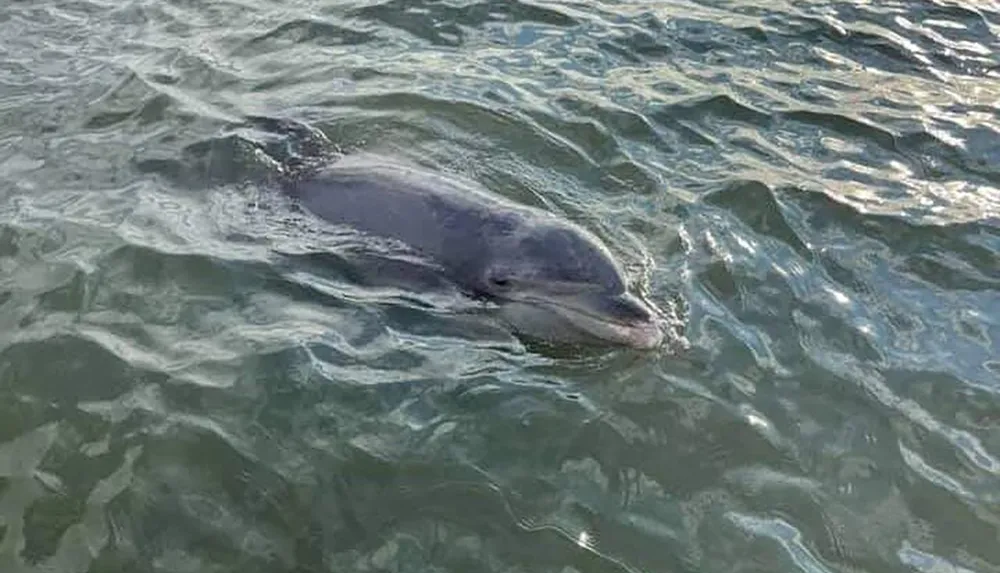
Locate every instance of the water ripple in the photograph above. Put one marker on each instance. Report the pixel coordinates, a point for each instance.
(192, 378)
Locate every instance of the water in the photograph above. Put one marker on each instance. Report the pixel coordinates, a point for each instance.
(814, 186)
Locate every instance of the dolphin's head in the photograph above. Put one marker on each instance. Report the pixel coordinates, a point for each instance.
(556, 282)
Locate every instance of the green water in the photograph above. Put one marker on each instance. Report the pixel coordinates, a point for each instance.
(814, 187)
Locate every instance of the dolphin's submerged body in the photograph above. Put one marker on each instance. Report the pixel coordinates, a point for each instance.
(549, 279)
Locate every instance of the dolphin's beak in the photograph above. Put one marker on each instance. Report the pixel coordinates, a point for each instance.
(634, 321)
(621, 318)
(586, 317)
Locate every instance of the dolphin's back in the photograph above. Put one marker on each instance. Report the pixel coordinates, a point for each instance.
(445, 218)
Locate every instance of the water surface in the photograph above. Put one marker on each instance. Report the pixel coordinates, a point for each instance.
(813, 187)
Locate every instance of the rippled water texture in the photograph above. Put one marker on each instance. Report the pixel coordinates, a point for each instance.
(185, 386)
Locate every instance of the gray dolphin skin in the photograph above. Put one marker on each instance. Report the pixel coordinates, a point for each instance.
(548, 278)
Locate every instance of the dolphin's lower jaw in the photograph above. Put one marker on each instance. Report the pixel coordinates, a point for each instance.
(640, 334)
(644, 336)
(571, 323)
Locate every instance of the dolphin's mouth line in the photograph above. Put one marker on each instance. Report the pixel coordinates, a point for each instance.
(569, 309)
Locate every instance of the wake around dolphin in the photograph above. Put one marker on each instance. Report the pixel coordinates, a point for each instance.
(549, 279)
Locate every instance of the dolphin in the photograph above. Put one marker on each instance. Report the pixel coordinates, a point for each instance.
(549, 279)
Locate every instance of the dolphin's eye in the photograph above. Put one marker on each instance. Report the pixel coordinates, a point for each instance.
(501, 282)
